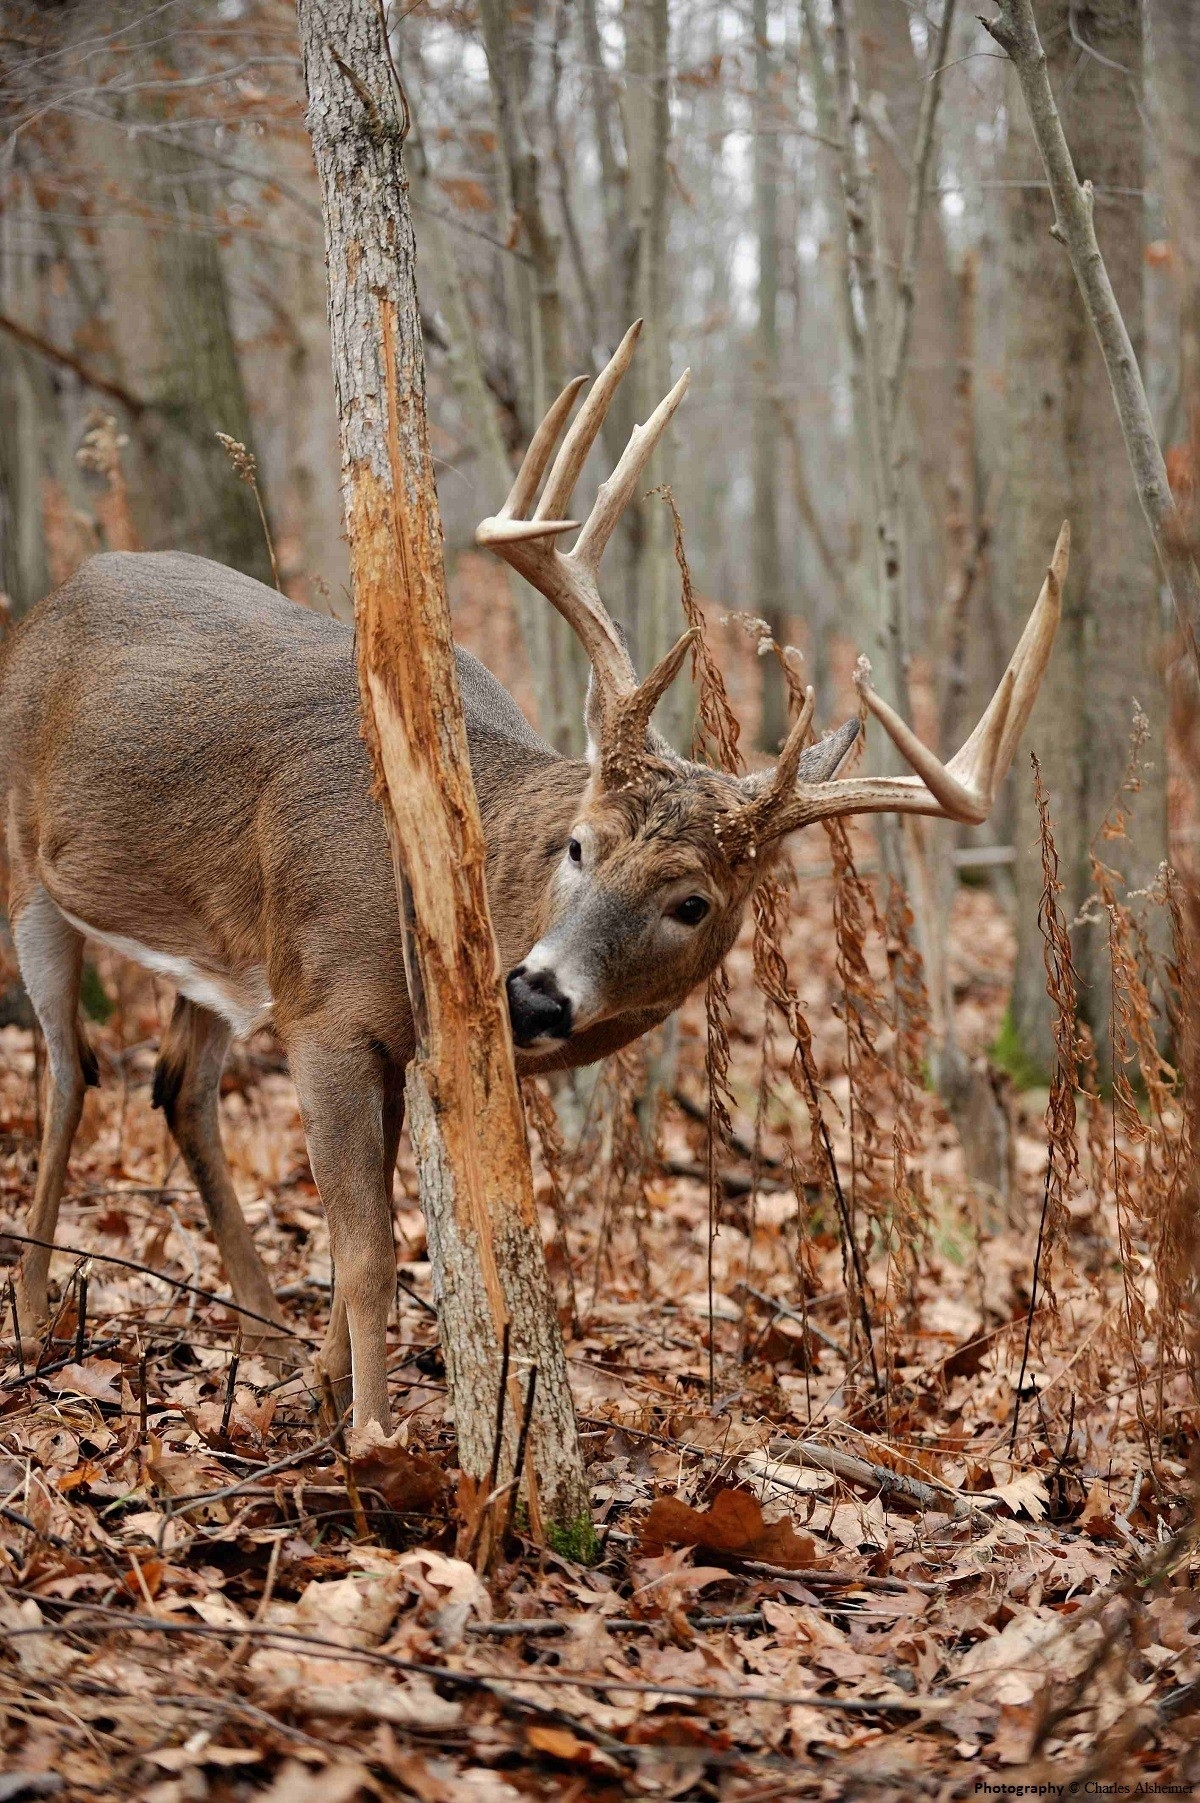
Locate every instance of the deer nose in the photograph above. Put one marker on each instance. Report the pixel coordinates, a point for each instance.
(537, 1006)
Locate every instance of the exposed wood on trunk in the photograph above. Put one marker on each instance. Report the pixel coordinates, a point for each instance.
(467, 1123)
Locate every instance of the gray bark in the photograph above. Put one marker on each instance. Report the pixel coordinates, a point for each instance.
(1068, 462)
(768, 601)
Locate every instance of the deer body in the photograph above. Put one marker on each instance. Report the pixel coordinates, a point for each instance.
(184, 780)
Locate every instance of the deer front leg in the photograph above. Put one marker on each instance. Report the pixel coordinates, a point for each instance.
(352, 1131)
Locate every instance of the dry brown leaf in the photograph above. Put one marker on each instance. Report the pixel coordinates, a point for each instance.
(733, 1525)
(413, 1703)
(341, 1783)
(1024, 1493)
(95, 1379)
(1097, 1520)
(560, 1743)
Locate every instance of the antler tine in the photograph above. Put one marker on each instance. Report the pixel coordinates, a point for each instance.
(956, 798)
(614, 495)
(965, 788)
(1036, 643)
(500, 527)
(797, 739)
(581, 437)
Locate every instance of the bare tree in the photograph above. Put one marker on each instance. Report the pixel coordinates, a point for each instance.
(1073, 464)
(559, 669)
(768, 598)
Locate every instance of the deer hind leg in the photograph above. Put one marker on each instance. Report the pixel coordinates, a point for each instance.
(187, 1084)
(352, 1132)
(50, 954)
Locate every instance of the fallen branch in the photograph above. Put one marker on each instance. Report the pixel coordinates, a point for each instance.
(1016, 33)
(880, 1478)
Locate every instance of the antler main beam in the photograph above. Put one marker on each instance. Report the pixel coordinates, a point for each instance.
(568, 580)
(965, 788)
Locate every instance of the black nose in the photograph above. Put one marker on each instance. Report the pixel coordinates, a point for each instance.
(537, 1007)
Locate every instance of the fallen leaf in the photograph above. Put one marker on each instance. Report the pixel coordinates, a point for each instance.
(560, 1743)
(1097, 1519)
(295, 1783)
(39, 1655)
(414, 1703)
(82, 1474)
(1025, 1493)
(95, 1379)
(408, 1481)
(1013, 1666)
(733, 1525)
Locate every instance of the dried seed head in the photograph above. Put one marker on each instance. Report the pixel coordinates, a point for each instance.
(101, 446)
(242, 460)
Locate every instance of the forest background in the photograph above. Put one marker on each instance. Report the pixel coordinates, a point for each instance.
(574, 164)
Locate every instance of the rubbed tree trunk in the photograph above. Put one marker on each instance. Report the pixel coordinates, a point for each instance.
(1069, 462)
(768, 600)
(465, 1113)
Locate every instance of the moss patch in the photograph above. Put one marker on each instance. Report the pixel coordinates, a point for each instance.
(574, 1540)
(1010, 1055)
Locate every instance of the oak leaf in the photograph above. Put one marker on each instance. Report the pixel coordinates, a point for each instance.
(733, 1525)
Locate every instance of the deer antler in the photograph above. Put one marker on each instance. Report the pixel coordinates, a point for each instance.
(963, 789)
(618, 709)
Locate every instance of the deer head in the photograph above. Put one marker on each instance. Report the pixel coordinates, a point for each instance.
(664, 853)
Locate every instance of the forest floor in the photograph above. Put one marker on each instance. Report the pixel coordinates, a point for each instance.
(193, 1610)
(206, 1595)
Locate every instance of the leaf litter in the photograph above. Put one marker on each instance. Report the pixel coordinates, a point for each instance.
(207, 1593)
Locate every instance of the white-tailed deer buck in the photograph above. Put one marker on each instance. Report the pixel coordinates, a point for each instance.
(186, 783)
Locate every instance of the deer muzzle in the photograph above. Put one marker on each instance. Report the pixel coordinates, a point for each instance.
(537, 1007)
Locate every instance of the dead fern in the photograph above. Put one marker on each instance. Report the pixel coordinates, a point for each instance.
(99, 453)
(1062, 1148)
(715, 739)
(245, 467)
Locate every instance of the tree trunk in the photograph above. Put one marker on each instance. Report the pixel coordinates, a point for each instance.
(465, 1114)
(767, 564)
(1069, 462)
(561, 673)
(1175, 67)
(894, 87)
(169, 329)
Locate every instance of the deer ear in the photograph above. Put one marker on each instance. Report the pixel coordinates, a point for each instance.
(821, 762)
(818, 763)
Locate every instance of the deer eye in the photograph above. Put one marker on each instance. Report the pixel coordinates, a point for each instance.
(575, 851)
(690, 911)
